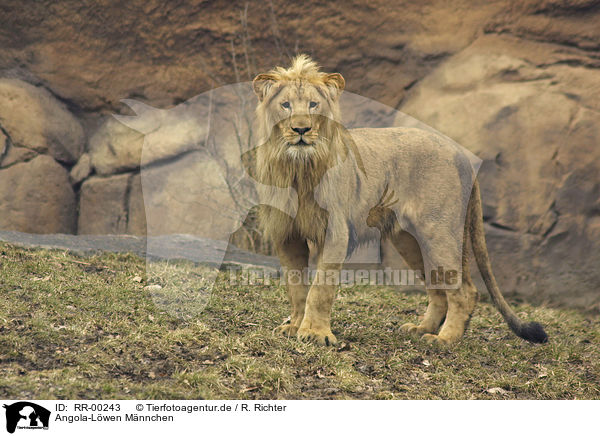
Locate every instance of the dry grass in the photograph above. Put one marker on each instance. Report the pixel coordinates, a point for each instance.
(86, 328)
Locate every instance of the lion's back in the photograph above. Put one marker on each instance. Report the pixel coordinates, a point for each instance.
(402, 140)
(409, 150)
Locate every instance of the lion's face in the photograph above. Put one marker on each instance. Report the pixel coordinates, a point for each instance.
(299, 113)
(302, 113)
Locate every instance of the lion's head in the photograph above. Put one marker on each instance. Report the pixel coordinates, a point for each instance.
(298, 111)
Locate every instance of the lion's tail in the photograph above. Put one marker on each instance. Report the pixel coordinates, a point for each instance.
(530, 331)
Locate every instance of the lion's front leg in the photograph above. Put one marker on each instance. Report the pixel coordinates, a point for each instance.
(293, 256)
(316, 325)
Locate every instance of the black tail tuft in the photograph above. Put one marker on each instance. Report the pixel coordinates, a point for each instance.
(533, 332)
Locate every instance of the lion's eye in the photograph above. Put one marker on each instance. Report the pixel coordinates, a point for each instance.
(313, 104)
(285, 105)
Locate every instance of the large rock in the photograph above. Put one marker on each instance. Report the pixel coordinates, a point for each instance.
(536, 129)
(103, 205)
(115, 147)
(96, 57)
(36, 197)
(15, 155)
(36, 122)
(159, 134)
(191, 196)
(573, 23)
(112, 205)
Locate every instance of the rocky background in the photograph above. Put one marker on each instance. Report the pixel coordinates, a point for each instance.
(516, 82)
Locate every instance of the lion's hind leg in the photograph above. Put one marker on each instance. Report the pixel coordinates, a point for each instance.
(461, 304)
(410, 251)
(434, 315)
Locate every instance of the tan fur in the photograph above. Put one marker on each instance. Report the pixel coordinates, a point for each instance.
(408, 185)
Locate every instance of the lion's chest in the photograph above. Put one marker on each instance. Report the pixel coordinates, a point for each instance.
(282, 218)
(310, 220)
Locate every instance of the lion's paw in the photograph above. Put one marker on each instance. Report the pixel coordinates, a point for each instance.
(320, 337)
(413, 329)
(435, 339)
(286, 329)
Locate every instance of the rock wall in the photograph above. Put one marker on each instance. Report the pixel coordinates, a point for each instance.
(517, 83)
(39, 139)
(531, 111)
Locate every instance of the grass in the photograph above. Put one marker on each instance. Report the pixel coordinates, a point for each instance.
(90, 328)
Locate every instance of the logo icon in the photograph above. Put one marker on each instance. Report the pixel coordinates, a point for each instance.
(26, 415)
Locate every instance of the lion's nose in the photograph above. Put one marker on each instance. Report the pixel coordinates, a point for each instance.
(301, 130)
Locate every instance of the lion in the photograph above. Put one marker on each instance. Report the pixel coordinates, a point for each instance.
(407, 185)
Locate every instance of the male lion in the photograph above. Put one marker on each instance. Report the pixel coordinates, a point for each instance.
(415, 187)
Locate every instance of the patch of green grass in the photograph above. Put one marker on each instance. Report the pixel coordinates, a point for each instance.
(96, 328)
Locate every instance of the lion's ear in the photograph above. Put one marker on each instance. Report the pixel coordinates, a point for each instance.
(261, 84)
(336, 81)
